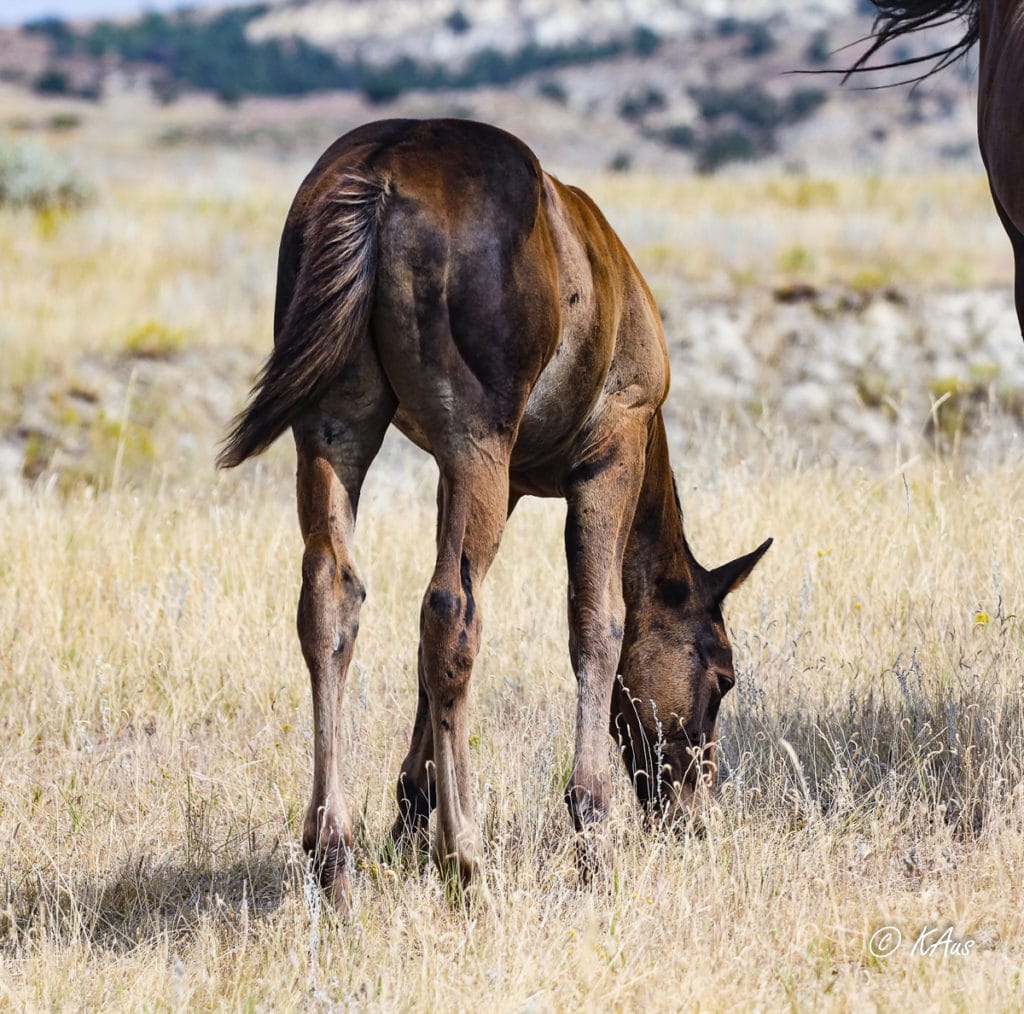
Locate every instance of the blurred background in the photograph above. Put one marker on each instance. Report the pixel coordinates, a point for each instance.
(826, 258)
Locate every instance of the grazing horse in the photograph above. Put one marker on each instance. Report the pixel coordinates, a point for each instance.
(431, 275)
(999, 26)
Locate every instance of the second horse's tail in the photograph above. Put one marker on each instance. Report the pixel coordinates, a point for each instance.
(329, 310)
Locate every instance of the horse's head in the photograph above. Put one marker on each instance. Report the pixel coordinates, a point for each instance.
(675, 670)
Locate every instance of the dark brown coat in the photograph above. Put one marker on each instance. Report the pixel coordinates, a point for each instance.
(433, 276)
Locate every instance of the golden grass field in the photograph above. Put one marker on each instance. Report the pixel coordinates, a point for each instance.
(155, 728)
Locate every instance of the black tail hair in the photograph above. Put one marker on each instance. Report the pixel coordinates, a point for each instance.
(896, 18)
(329, 310)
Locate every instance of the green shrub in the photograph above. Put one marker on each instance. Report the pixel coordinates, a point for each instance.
(152, 339)
(554, 91)
(52, 81)
(680, 135)
(58, 31)
(457, 22)
(166, 90)
(751, 104)
(757, 36)
(819, 49)
(64, 121)
(387, 83)
(645, 40)
(620, 162)
(213, 53)
(759, 40)
(759, 114)
(230, 94)
(638, 104)
(723, 147)
(803, 103)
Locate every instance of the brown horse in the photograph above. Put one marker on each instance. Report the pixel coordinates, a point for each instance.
(432, 275)
(999, 26)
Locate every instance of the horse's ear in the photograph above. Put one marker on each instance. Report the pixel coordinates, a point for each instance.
(730, 576)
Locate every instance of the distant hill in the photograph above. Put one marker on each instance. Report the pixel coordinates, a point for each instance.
(682, 75)
(453, 32)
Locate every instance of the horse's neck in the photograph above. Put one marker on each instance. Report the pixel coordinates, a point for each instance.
(657, 552)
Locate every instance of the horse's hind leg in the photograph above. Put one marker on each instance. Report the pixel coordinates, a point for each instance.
(335, 445)
(473, 501)
(416, 790)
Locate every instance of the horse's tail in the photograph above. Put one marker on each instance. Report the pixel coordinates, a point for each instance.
(328, 311)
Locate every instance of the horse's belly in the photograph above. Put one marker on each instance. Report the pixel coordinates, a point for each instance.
(408, 426)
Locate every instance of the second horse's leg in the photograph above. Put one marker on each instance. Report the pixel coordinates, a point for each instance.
(416, 790)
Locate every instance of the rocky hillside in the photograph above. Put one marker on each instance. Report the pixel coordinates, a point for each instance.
(445, 32)
(684, 82)
(851, 376)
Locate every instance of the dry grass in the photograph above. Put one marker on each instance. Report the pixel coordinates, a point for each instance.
(157, 751)
(862, 231)
(154, 709)
(193, 264)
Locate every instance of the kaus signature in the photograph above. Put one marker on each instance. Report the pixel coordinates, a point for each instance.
(930, 942)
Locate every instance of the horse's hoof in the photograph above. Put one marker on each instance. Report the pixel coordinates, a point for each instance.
(462, 872)
(329, 866)
(593, 853)
(338, 892)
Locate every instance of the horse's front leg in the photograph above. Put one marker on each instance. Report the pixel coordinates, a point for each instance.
(601, 495)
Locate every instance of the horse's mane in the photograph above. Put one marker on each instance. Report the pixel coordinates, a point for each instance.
(897, 18)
